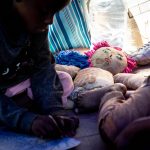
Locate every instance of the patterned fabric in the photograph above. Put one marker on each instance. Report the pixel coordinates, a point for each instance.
(69, 29)
(142, 56)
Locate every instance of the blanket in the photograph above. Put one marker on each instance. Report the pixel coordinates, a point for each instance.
(15, 141)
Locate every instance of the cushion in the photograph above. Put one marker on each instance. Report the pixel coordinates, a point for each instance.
(90, 100)
(142, 56)
(69, 29)
(91, 78)
(132, 81)
(72, 70)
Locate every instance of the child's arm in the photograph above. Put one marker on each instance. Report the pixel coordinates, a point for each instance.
(45, 84)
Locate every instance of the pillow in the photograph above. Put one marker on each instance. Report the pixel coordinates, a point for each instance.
(110, 58)
(72, 70)
(89, 100)
(91, 78)
(132, 81)
(142, 56)
(69, 29)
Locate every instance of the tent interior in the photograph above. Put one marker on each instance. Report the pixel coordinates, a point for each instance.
(75, 37)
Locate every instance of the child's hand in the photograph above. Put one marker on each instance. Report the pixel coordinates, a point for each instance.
(55, 126)
(68, 125)
(46, 127)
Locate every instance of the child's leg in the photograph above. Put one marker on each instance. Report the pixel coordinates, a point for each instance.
(116, 112)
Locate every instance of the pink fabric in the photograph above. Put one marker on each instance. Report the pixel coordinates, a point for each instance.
(67, 84)
(65, 79)
(19, 88)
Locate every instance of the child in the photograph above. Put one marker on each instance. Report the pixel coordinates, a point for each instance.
(24, 54)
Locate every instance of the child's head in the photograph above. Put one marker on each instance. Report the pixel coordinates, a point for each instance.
(38, 14)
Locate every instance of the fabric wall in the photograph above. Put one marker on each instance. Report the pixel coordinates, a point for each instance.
(69, 29)
(108, 21)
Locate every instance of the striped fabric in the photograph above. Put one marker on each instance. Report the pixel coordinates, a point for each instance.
(69, 29)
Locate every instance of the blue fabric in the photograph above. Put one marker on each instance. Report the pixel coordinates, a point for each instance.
(36, 65)
(70, 57)
(14, 141)
(69, 29)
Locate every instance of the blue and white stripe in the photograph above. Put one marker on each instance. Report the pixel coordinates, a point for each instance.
(69, 29)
